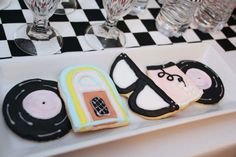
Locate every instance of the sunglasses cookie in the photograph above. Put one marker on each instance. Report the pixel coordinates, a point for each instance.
(92, 101)
(34, 110)
(206, 79)
(144, 97)
(175, 83)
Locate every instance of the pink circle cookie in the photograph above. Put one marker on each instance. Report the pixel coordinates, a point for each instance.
(42, 104)
(199, 77)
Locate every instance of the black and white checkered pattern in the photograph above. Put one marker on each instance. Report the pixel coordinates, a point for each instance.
(140, 30)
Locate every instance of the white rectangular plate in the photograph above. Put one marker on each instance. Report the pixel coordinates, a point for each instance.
(13, 71)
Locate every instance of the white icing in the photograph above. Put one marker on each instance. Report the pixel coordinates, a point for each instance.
(86, 80)
(21, 92)
(123, 75)
(216, 83)
(26, 121)
(148, 99)
(49, 134)
(79, 81)
(53, 87)
(222, 90)
(26, 82)
(58, 123)
(8, 114)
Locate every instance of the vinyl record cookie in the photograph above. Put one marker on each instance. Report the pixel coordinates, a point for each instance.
(205, 78)
(34, 110)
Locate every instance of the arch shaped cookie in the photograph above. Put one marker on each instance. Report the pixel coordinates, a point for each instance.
(92, 101)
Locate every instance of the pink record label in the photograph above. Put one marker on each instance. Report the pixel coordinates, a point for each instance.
(42, 104)
(200, 78)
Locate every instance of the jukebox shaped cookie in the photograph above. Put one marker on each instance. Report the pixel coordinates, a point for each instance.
(34, 110)
(205, 78)
(175, 83)
(92, 101)
(144, 96)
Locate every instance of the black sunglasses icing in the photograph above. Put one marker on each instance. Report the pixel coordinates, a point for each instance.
(137, 87)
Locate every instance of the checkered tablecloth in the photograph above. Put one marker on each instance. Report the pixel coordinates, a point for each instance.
(140, 30)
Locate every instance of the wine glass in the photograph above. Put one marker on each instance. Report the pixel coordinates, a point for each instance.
(161, 1)
(107, 35)
(4, 4)
(66, 7)
(38, 37)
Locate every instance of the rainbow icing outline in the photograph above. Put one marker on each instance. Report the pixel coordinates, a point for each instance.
(79, 114)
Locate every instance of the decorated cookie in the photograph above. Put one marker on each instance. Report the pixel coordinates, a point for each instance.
(205, 78)
(34, 110)
(92, 101)
(175, 84)
(144, 97)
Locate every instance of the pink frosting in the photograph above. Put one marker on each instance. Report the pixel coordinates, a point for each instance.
(42, 104)
(180, 93)
(200, 78)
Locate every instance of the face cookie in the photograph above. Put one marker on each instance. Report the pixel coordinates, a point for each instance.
(206, 79)
(92, 100)
(174, 83)
(34, 110)
(144, 97)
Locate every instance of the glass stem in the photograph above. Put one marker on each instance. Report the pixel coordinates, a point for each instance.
(39, 29)
(110, 22)
(40, 25)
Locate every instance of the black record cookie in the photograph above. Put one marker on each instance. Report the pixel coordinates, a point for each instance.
(205, 78)
(34, 110)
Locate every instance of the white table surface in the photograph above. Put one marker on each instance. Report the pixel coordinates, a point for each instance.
(210, 137)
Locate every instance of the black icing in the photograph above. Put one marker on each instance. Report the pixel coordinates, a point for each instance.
(131, 87)
(155, 67)
(138, 86)
(213, 94)
(148, 113)
(26, 126)
(99, 107)
(170, 77)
